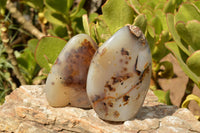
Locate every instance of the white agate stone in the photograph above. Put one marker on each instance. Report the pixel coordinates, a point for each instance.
(119, 75)
(66, 83)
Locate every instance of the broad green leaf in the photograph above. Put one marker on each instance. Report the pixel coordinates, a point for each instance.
(116, 14)
(157, 24)
(187, 12)
(160, 5)
(37, 4)
(151, 30)
(55, 18)
(32, 43)
(190, 33)
(48, 49)
(190, 98)
(170, 6)
(141, 22)
(193, 62)
(60, 31)
(69, 4)
(148, 13)
(162, 16)
(183, 32)
(175, 50)
(193, 28)
(57, 5)
(163, 97)
(176, 37)
(150, 39)
(135, 4)
(92, 17)
(197, 3)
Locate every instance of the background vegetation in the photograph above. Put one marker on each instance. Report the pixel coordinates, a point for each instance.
(33, 32)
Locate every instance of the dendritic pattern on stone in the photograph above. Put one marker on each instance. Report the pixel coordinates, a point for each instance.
(66, 83)
(119, 75)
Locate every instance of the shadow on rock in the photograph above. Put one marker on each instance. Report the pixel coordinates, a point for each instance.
(157, 111)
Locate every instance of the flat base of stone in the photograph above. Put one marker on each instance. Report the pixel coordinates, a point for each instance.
(26, 110)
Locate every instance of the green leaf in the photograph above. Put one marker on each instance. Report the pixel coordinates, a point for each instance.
(57, 5)
(27, 64)
(116, 14)
(193, 62)
(135, 4)
(151, 40)
(176, 37)
(170, 6)
(187, 12)
(76, 11)
(102, 31)
(77, 22)
(159, 50)
(190, 33)
(86, 24)
(69, 4)
(175, 50)
(55, 18)
(189, 98)
(80, 14)
(92, 17)
(157, 24)
(141, 22)
(32, 43)
(3, 4)
(162, 17)
(48, 49)
(60, 31)
(37, 4)
(163, 97)
(193, 28)
(168, 71)
(183, 32)
(197, 3)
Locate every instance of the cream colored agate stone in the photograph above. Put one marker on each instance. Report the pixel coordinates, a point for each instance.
(119, 75)
(66, 83)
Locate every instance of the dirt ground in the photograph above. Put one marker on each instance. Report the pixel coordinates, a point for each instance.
(177, 86)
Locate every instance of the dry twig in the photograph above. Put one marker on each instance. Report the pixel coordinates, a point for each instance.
(9, 50)
(27, 25)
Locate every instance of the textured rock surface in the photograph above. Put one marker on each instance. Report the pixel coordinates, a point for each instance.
(26, 110)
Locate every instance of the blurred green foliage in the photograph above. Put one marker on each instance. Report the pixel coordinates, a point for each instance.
(171, 26)
(184, 26)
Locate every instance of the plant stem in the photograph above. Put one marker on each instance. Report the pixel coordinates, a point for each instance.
(69, 30)
(27, 25)
(9, 50)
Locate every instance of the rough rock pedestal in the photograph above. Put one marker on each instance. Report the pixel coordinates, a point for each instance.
(27, 111)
